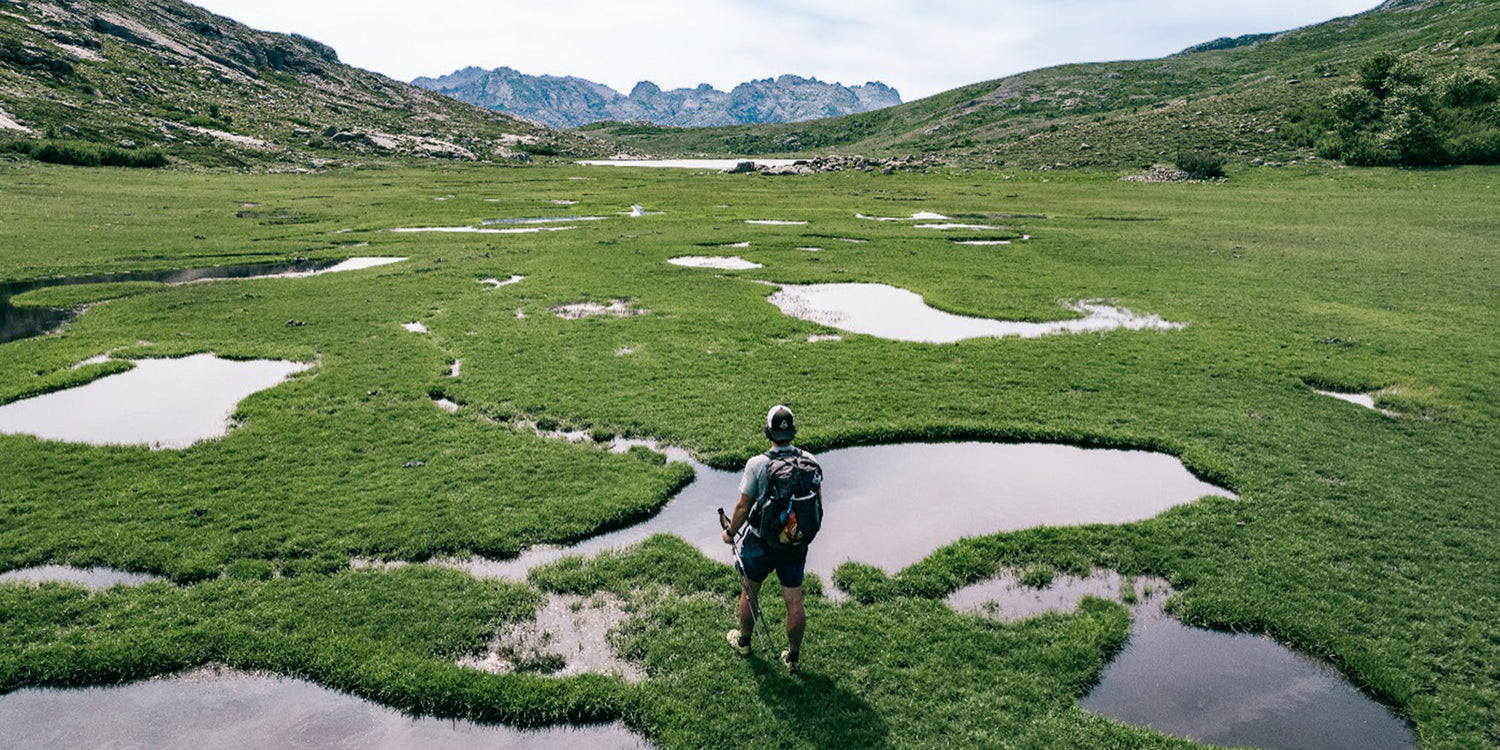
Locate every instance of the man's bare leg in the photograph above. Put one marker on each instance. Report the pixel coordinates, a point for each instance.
(748, 590)
(796, 617)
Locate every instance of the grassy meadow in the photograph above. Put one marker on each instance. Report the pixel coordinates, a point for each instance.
(1362, 538)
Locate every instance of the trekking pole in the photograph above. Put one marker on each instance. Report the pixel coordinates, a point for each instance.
(761, 627)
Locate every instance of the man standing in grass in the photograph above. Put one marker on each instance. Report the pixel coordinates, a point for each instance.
(781, 500)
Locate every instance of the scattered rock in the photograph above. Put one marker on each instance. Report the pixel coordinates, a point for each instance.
(744, 167)
(294, 323)
(413, 464)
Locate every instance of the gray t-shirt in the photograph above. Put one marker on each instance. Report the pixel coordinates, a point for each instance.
(753, 482)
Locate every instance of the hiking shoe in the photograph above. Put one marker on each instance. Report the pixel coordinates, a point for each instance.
(740, 645)
(790, 660)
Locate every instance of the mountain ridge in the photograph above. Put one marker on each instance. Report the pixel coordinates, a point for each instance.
(211, 91)
(1231, 96)
(570, 101)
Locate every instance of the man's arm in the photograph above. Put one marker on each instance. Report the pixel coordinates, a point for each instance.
(741, 512)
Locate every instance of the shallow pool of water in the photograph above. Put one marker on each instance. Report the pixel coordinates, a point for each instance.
(1221, 688)
(776, 222)
(571, 627)
(229, 710)
(617, 308)
(93, 578)
(684, 163)
(478, 230)
(951, 225)
(541, 220)
(730, 263)
(161, 403)
(1237, 689)
(963, 489)
(901, 315)
(25, 322)
(497, 283)
(1367, 400)
(918, 216)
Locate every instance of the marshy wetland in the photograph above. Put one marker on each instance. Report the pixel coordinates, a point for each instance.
(1351, 550)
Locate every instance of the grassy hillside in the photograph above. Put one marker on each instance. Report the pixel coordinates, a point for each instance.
(210, 91)
(1230, 96)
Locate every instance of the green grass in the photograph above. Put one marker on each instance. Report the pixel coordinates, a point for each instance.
(74, 295)
(1345, 278)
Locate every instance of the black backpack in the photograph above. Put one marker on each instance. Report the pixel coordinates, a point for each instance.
(792, 511)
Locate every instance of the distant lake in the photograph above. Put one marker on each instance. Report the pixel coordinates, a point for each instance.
(684, 163)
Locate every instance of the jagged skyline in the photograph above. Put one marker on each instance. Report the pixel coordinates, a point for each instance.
(917, 46)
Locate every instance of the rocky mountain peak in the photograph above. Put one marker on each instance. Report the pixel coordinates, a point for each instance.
(571, 102)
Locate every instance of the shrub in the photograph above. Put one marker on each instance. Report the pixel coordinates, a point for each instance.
(1412, 134)
(1476, 147)
(1355, 106)
(1469, 87)
(1200, 165)
(86, 154)
(540, 149)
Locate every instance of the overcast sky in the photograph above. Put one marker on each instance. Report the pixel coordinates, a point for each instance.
(921, 47)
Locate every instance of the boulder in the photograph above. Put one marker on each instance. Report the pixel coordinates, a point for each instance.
(744, 167)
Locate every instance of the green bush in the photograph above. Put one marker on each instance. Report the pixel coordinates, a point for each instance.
(1397, 116)
(540, 149)
(1470, 87)
(1201, 165)
(86, 154)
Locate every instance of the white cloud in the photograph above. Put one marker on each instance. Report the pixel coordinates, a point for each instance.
(921, 47)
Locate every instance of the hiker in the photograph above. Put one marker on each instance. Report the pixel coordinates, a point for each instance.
(781, 501)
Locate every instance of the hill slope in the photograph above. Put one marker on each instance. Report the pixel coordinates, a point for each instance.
(1229, 95)
(212, 91)
(570, 102)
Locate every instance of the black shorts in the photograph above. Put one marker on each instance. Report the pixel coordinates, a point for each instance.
(759, 559)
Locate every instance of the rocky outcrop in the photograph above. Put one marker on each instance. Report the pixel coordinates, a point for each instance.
(211, 91)
(836, 164)
(571, 102)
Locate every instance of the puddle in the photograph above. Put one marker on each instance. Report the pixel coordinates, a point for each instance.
(918, 216)
(415, 327)
(161, 403)
(479, 230)
(776, 222)
(892, 313)
(1237, 689)
(19, 323)
(348, 264)
(737, 245)
(497, 283)
(561, 202)
(731, 263)
(956, 226)
(637, 211)
(1367, 400)
(811, 249)
(976, 488)
(1232, 689)
(1008, 599)
(97, 579)
(570, 635)
(541, 220)
(718, 164)
(618, 308)
(982, 242)
(232, 710)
